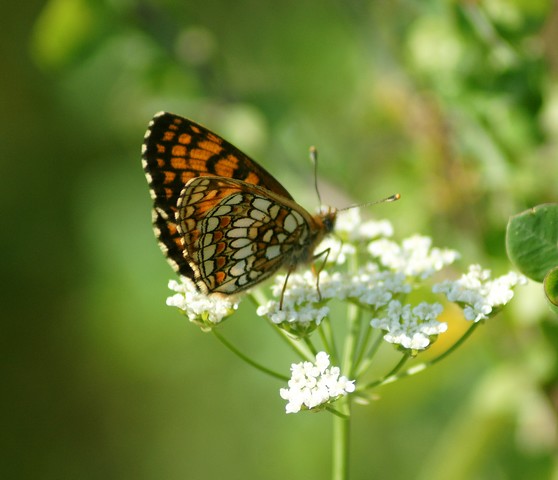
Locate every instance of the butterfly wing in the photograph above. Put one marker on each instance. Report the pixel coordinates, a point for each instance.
(236, 234)
(176, 150)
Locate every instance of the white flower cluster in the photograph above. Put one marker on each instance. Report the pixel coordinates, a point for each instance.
(350, 227)
(382, 283)
(314, 384)
(412, 328)
(352, 231)
(415, 257)
(478, 294)
(301, 311)
(371, 284)
(201, 309)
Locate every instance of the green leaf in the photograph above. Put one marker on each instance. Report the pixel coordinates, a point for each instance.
(532, 240)
(551, 288)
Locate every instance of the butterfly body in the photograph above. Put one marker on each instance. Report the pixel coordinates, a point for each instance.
(221, 219)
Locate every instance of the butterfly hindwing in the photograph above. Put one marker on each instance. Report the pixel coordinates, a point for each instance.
(236, 234)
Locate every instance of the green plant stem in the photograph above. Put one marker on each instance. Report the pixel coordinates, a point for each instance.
(365, 359)
(351, 340)
(456, 345)
(300, 348)
(247, 359)
(389, 377)
(392, 376)
(342, 420)
(328, 339)
(341, 437)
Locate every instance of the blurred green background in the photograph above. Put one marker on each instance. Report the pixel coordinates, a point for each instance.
(454, 104)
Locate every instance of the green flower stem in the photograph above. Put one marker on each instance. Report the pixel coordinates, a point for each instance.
(342, 420)
(300, 348)
(248, 360)
(456, 345)
(363, 365)
(351, 340)
(341, 437)
(392, 376)
(328, 339)
(366, 352)
(310, 345)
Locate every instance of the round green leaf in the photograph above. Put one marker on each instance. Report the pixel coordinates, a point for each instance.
(532, 240)
(551, 288)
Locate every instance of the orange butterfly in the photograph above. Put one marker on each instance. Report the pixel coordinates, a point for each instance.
(221, 219)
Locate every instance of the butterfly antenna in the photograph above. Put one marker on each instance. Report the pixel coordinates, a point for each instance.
(314, 160)
(391, 198)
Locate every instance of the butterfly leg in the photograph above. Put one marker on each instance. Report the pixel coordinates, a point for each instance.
(284, 288)
(317, 272)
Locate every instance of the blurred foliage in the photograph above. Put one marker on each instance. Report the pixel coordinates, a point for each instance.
(454, 104)
(532, 240)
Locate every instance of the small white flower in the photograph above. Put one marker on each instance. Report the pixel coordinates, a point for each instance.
(349, 226)
(302, 309)
(415, 257)
(479, 295)
(411, 328)
(314, 384)
(204, 310)
(370, 286)
(338, 251)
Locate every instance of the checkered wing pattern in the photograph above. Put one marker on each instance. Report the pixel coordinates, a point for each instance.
(237, 234)
(177, 150)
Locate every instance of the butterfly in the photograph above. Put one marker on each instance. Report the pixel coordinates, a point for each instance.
(220, 218)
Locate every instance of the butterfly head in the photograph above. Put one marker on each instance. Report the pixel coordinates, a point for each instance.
(327, 217)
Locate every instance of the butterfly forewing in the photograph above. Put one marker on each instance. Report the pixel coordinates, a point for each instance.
(237, 234)
(176, 150)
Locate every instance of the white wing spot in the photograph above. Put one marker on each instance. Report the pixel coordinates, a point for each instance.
(208, 267)
(261, 204)
(267, 236)
(222, 210)
(259, 215)
(253, 274)
(228, 287)
(240, 242)
(237, 233)
(290, 223)
(188, 211)
(244, 222)
(238, 269)
(234, 199)
(193, 197)
(209, 251)
(202, 183)
(298, 217)
(272, 251)
(274, 211)
(206, 240)
(244, 252)
(211, 223)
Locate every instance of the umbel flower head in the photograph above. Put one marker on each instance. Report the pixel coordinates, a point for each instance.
(314, 385)
(385, 280)
(203, 310)
(385, 275)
